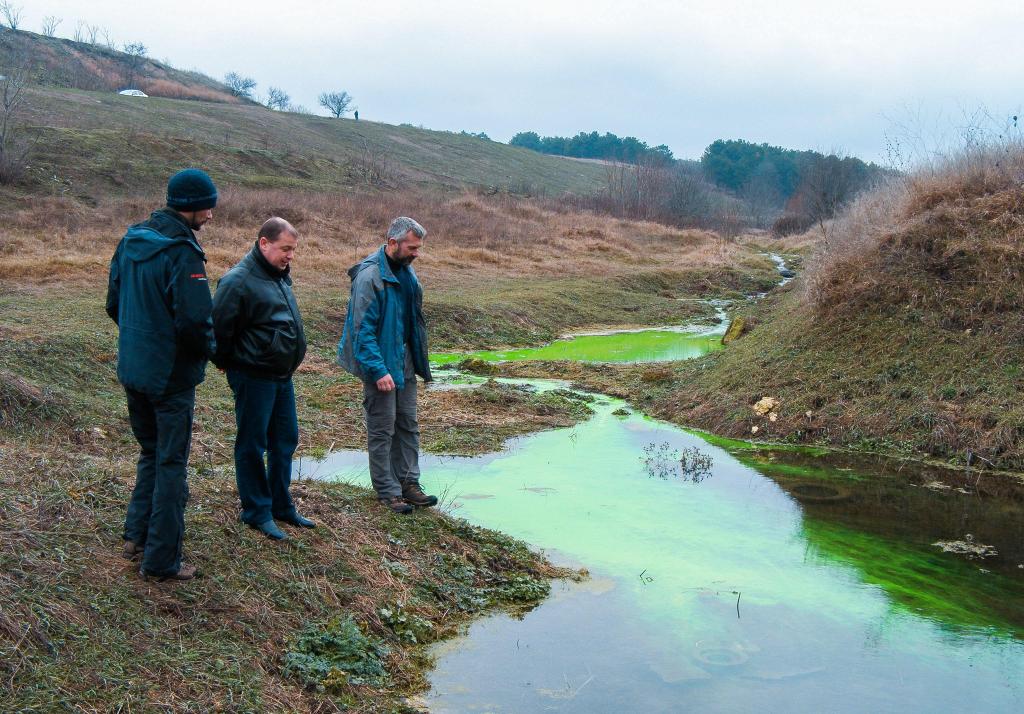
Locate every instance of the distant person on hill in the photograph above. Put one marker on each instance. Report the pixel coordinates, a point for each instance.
(357, 114)
(384, 343)
(260, 344)
(159, 297)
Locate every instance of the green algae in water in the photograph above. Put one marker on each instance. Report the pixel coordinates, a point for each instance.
(799, 615)
(921, 580)
(642, 346)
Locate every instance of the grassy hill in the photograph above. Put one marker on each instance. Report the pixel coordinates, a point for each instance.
(91, 142)
(100, 143)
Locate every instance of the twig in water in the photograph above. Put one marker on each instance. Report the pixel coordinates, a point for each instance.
(738, 596)
(647, 579)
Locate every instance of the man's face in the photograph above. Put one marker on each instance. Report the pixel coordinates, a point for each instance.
(406, 251)
(280, 252)
(196, 219)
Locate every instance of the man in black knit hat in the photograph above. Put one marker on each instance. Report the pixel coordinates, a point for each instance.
(159, 297)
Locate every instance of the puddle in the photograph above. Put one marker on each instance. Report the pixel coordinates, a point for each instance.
(651, 345)
(783, 582)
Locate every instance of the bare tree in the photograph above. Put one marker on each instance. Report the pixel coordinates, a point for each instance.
(108, 40)
(337, 103)
(277, 99)
(372, 166)
(240, 86)
(13, 80)
(12, 15)
(829, 183)
(50, 23)
(84, 32)
(136, 52)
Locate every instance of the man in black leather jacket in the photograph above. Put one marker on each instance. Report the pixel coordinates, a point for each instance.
(260, 344)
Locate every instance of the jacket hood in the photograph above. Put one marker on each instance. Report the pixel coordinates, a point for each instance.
(381, 259)
(165, 229)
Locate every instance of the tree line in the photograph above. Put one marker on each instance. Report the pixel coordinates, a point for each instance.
(736, 183)
(593, 145)
(800, 187)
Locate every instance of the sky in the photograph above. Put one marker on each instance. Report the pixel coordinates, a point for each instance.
(861, 77)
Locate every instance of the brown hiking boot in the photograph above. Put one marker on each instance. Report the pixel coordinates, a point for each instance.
(131, 550)
(412, 493)
(185, 572)
(396, 504)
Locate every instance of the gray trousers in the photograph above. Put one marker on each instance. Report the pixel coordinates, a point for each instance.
(392, 434)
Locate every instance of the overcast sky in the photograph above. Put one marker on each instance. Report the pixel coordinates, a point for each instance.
(827, 75)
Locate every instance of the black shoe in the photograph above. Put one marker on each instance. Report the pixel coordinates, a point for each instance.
(295, 519)
(396, 504)
(412, 493)
(270, 530)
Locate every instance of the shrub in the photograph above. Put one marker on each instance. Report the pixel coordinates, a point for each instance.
(791, 224)
(335, 655)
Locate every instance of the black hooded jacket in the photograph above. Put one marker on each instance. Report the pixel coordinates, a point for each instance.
(256, 320)
(159, 297)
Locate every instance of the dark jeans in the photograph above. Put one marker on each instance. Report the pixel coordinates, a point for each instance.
(156, 513)
(267, 425)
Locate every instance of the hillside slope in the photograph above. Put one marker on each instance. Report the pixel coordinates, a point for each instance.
(98, 143)
(906, 333)
(83, 65)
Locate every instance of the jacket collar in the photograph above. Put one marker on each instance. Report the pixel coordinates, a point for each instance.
(385, 267)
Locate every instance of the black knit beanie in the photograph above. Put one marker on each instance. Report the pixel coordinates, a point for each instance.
(191, 190)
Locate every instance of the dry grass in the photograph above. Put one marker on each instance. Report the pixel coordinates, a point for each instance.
(948, 239)
(471, 237)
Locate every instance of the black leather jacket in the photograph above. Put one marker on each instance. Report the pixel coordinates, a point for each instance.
(256, 320)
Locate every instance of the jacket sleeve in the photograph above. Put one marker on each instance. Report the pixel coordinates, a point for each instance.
(366, 349)
(114, 286)
(228, 318)
(191, 303)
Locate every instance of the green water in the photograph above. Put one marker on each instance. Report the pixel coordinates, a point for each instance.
(640, 346)
(829, 617)
(783, 580)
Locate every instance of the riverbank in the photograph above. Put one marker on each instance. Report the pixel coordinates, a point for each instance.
(267, 627)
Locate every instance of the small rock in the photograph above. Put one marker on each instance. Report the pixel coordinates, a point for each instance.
(737, 328)
(766, 405)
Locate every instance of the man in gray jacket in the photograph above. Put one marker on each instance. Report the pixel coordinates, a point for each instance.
(384, 343)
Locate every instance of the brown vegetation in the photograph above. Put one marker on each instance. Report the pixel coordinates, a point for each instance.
(947, 241)
(471, 237)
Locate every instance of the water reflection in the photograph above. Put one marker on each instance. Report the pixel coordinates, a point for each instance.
(782, 583)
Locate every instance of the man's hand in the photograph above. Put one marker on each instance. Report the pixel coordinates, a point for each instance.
(385, 383)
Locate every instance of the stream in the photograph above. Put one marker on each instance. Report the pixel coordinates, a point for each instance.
(764, 579)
